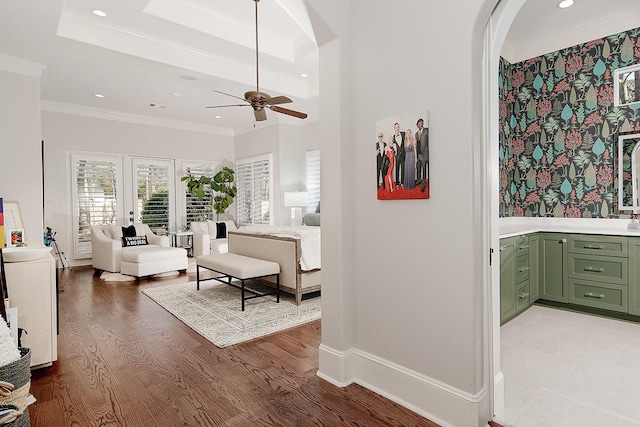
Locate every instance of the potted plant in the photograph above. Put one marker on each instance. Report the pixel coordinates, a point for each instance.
(221, 185)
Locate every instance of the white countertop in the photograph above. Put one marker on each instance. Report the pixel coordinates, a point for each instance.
(510, 227)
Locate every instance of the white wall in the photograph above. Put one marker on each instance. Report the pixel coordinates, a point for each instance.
(20, 170)
(65, 132)
(416, 268)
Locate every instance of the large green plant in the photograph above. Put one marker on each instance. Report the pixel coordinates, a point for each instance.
(221, 185)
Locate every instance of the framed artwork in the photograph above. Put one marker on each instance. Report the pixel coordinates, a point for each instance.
(12, 215)
(15, 237)
(402, 157)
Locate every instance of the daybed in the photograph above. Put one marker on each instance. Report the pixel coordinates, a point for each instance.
(296, 249)
(211, 236)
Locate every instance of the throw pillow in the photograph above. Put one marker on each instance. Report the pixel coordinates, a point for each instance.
(318, 208)
(221, 230)
(129, 231)
(134, 241)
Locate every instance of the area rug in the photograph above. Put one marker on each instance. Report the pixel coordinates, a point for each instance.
(215, 311)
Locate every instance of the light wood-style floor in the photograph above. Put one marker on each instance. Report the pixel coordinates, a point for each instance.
(125, 361)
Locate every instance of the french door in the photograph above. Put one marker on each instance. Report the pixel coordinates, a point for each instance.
(153, 193)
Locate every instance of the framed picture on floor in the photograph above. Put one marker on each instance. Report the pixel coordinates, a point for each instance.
(402, 157)
(15, 237)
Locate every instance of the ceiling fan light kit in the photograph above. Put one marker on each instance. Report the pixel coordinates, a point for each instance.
(260, 100)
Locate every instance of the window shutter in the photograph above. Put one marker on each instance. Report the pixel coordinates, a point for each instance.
(153, 194)
(313, 179)
(199, 209)
(253, 180)
(95, 197)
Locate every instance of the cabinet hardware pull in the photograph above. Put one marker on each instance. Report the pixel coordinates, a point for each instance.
(562, 241)
(503, 248)
(523, 269)
(594, 270)
(523, 295)
(592, 295)
(524, 246)
(599, 247)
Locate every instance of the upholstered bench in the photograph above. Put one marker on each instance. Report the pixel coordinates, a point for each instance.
(243, 268)
(147, 260)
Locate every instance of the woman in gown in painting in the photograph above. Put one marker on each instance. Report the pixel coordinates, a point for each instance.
(409, 161)
(391, 154)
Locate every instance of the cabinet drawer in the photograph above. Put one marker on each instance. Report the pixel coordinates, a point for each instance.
(522, 245)
(598, 295)
(522, 268)
(522, 296)
(598, 245)
(591, 267)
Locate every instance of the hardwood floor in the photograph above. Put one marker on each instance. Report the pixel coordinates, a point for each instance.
(125, 361)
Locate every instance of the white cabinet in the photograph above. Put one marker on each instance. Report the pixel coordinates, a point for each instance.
(32, 288)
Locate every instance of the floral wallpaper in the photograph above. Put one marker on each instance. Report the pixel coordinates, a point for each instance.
(558, 128)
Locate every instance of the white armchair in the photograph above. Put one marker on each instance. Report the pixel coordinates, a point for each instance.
(106, 243)
(207, 239)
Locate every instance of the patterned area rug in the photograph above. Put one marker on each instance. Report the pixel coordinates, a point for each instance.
(215, 311)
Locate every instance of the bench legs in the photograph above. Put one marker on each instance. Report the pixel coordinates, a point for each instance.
(243, 289)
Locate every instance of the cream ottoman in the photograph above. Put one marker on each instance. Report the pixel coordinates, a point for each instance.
(148, 260)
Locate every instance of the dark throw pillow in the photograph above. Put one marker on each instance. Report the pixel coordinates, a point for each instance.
(134, 241)
(129, 231)
(221, 230)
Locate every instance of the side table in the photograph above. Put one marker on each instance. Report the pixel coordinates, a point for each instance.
(182, 239)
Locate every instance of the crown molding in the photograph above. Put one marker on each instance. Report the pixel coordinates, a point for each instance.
(21, 66)
(101, 113)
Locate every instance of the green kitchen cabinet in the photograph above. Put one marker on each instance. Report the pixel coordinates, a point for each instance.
(553, 274)
(634, 276)
(534, 267)
(507, 279)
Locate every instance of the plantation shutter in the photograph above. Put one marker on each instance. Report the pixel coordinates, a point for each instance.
(253, 180)
(153, 193)
(97, 193)
(313, 179)
(199, 209)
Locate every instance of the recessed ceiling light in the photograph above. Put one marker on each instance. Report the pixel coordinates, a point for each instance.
(99, 13)
(98, 95)
(218, 117)
(304, 75)
(565, 4)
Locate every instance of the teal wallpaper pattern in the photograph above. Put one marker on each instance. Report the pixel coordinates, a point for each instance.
(558, 128)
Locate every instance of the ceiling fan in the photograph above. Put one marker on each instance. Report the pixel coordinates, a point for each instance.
(260, 100)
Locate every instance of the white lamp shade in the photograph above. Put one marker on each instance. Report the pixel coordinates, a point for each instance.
(296, 199)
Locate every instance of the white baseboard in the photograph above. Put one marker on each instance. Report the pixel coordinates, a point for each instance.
(423, 395)
(498, 398)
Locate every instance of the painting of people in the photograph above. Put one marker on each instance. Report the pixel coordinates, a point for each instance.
(402, 157)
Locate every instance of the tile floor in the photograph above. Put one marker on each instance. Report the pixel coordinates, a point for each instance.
(566, 369)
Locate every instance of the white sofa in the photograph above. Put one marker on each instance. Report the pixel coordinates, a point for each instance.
(106, 242)
(206, 239)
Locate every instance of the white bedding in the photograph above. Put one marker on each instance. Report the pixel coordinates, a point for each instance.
(309, 240)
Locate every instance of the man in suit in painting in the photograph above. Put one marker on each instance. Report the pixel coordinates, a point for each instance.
(380, 150)
(398, 138)
(422, 141)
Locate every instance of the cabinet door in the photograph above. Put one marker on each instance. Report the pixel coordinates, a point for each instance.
(507, 279)
(534, 267)
(553, 276)
(634, 276)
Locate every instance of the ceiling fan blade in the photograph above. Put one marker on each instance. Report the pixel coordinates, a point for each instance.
(278, 100)
(293, 113)
(231, 105)
(260, 114)
(228, 94)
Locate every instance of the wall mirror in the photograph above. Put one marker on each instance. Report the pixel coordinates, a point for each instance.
(627, 85)
(628, 171)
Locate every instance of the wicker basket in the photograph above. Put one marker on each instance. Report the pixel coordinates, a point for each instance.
(18, 373)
